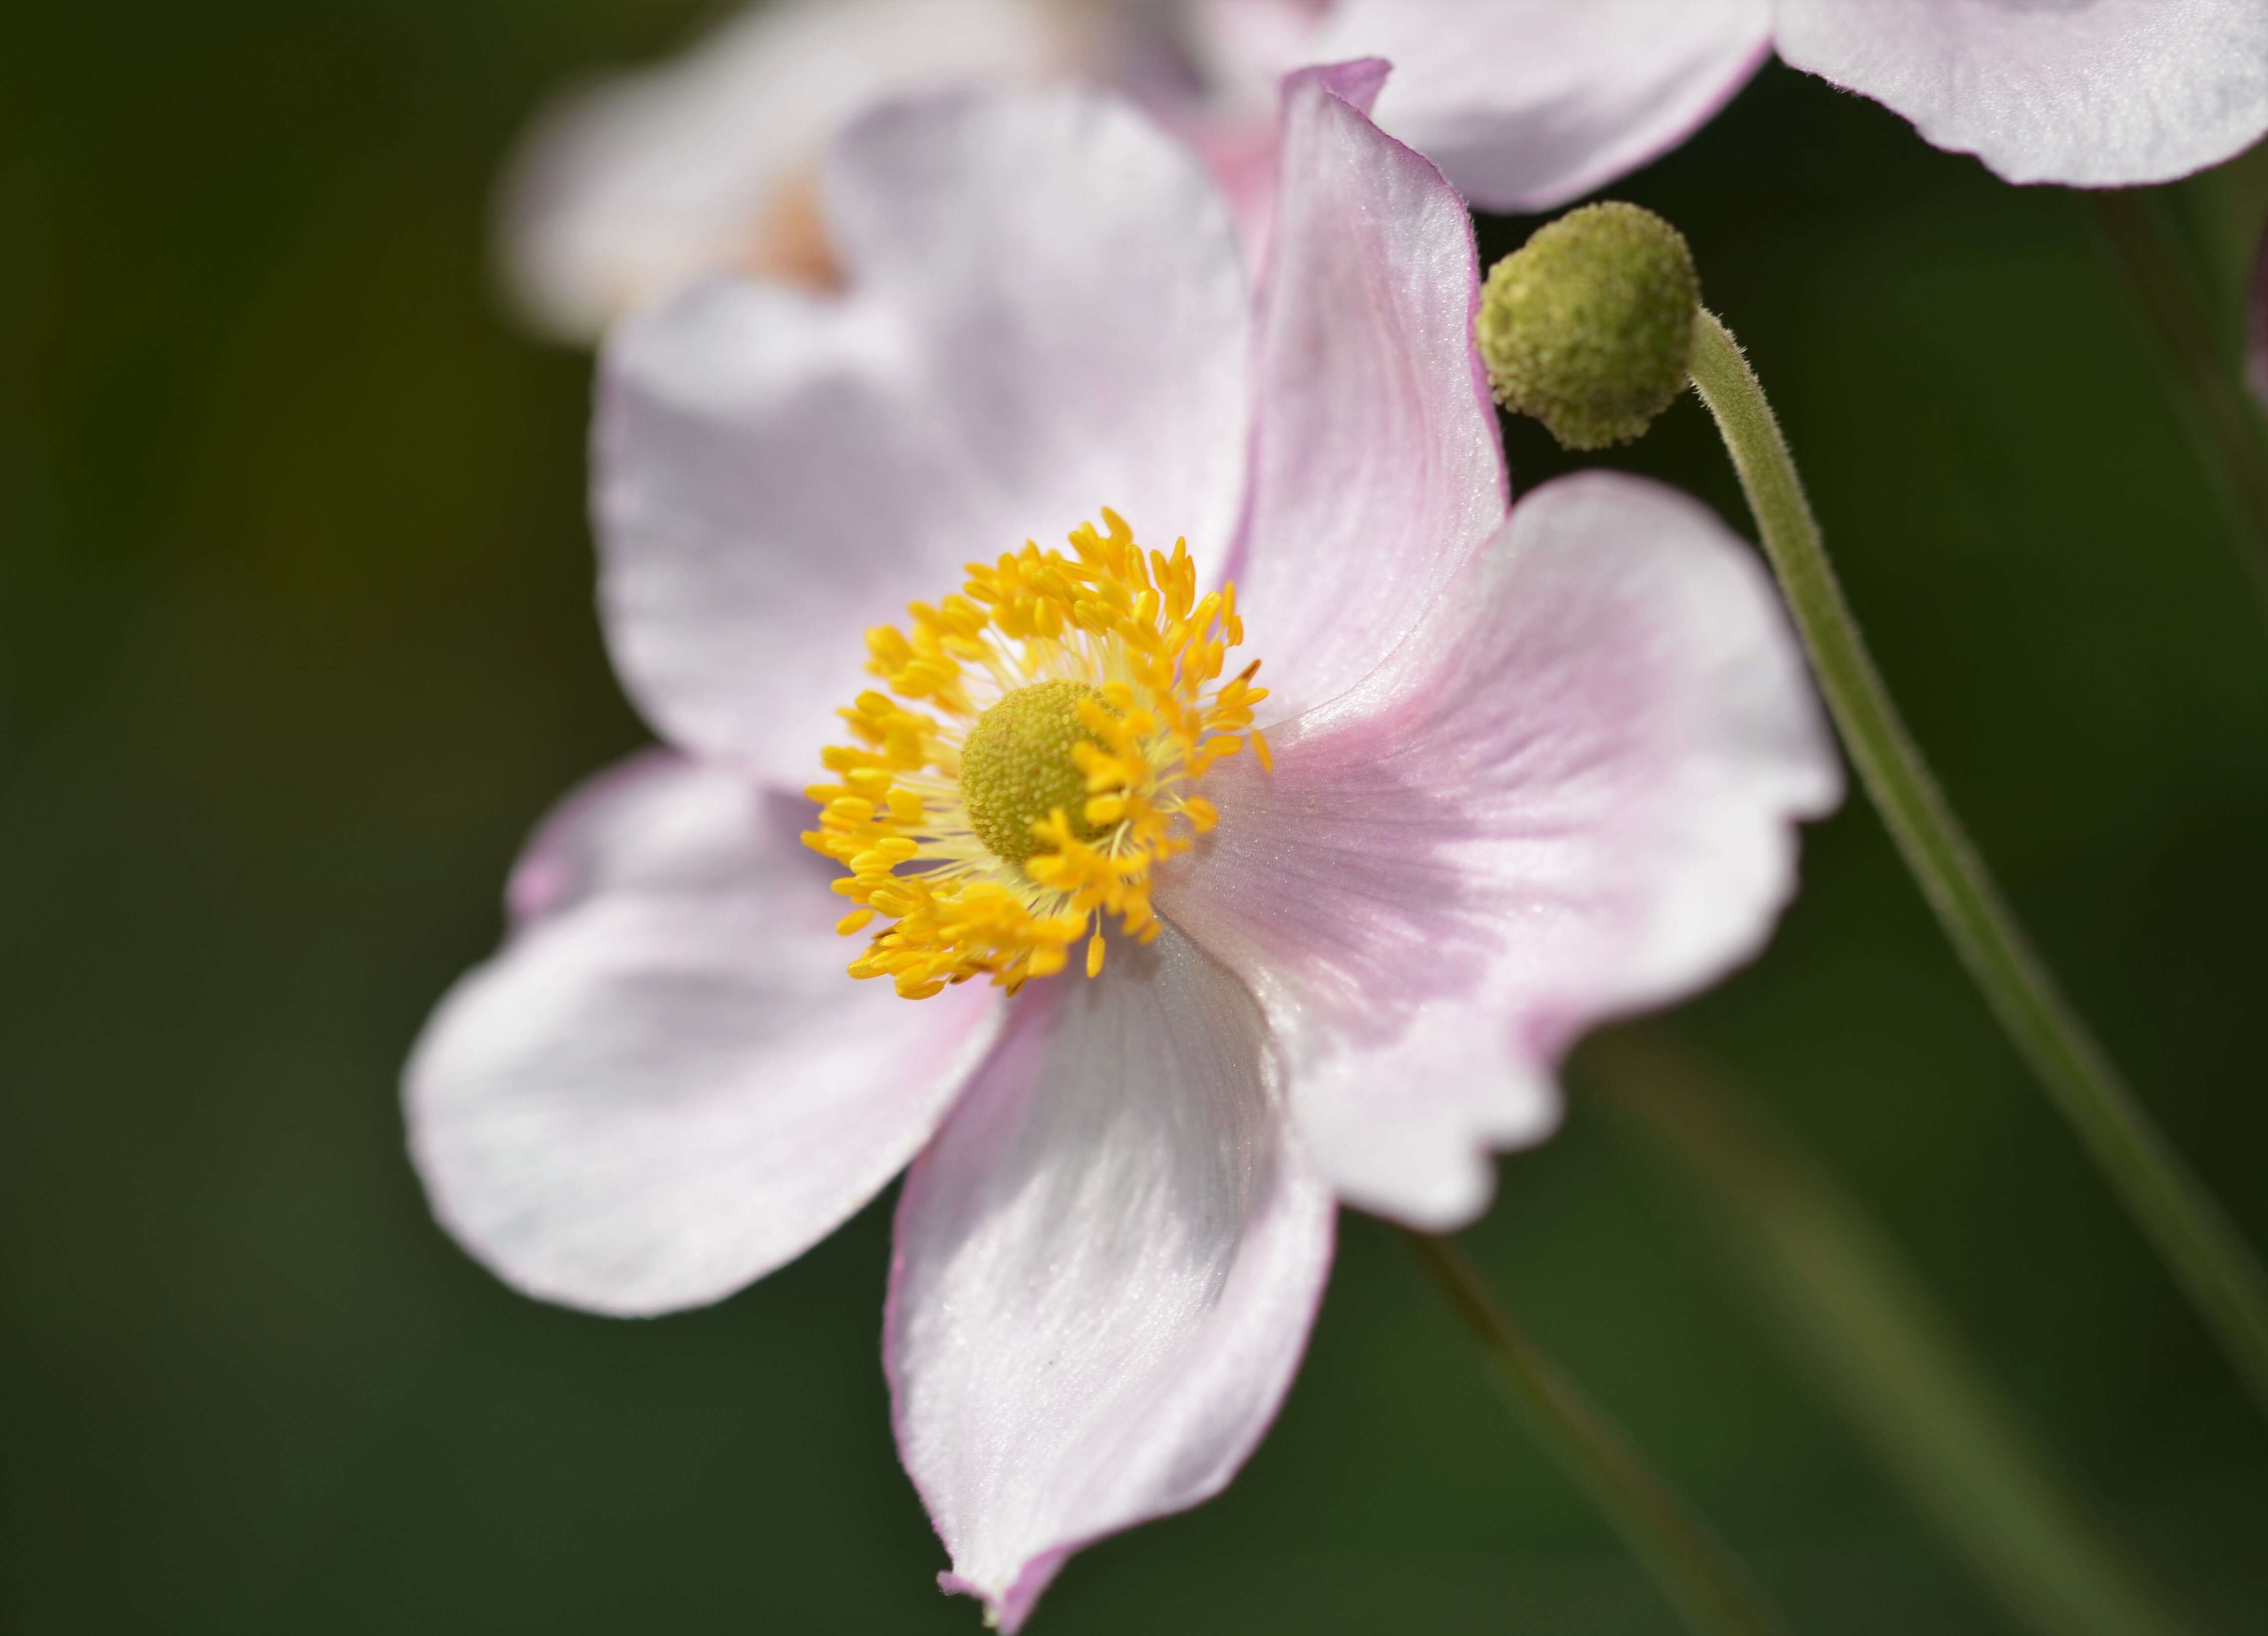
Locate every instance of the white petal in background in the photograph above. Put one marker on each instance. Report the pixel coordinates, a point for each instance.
(665, 1086)
(1377, 468)
(1528, 104)
(1047, 315)
(1107, 1266)
(625, 191)
(2096, 93)
(1571, 795)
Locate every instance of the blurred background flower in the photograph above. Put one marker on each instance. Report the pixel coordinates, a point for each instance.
(296, 642)
(626, 188)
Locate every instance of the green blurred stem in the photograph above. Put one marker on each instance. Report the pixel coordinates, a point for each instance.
(1881, 1351)
(2197, 1241)
(1693, 1570)
(2209, 385)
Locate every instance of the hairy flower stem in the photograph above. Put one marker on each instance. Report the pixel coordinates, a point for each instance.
(2209, 385)
(1693, 1571)
(2197, 1241)
(1872, 1338)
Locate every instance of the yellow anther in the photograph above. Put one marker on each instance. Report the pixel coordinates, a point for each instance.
(1037, 762)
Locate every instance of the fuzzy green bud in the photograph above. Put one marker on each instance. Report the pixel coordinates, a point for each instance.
(1587, 326)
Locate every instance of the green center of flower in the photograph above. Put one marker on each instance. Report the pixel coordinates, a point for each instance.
(1017, 766)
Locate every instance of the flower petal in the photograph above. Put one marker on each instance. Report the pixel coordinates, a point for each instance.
(623, 192)
(1377, 467)
(1107, 1266)
(2094, 93)
(665, 1086)
(1527, 104)
(1571, 795)
(1047, 315)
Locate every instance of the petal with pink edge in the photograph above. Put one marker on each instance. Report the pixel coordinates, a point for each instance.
(1571, 795)
(665, 1086)
(1047, 315)
(1107, 1267)
(1527, 104)
(1377, 468)
(2100, 93)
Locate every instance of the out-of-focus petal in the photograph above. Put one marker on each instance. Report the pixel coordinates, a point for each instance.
(1047, 315)
(2094, 93)
(1107, 1266)
(1571, 795)
(625, 191)
(665, 1086)
(1527, 104)
(1244, 47)
(1377, 467)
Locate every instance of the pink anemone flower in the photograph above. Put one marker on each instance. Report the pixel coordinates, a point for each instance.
(1318, 933)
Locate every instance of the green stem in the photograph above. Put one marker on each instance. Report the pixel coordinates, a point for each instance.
(2197, 1241)
(1693, 1570)
(1880, 1349)
(2209, 388)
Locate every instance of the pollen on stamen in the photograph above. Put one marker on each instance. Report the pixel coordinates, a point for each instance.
(1032, 759)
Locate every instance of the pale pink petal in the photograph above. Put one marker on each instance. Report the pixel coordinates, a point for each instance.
(1571, 795)
(624, 191)
(1241, 153)
(2094, 93)
(1047, 315)
(1107, 1266)
(1377, 467)
(665, 1086)
(1527, 104)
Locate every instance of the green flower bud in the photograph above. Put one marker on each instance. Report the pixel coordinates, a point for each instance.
(1588, 325)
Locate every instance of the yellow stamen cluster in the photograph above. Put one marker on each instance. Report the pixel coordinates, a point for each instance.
(1142, 653)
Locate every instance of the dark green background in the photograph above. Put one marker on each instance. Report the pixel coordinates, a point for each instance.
(296, 641)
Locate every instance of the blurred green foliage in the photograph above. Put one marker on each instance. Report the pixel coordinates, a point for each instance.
(296, 641)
